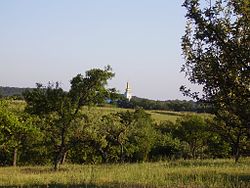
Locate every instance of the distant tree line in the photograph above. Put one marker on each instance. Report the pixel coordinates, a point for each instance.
(14, 92)
(122, 102)
(171, 105)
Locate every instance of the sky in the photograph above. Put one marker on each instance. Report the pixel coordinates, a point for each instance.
(54, 40)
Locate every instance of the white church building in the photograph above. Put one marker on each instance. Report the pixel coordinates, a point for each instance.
(128, 93)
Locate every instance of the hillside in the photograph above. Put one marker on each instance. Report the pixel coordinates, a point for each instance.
(12, 91)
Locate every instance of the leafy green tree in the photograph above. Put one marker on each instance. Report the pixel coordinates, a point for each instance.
(89, 140)
(216, 47)
(142, 135)
(234, 134)
(167, 145)
(218, 145)
(9, 124)
(129, 136)
(31, 149)
(117, 128)
(192, 131)
(61, 109)
(14, 129)
(116, 136)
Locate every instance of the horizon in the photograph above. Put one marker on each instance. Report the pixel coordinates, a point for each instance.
(120, 93)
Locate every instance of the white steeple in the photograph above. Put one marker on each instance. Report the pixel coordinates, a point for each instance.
(128, 93)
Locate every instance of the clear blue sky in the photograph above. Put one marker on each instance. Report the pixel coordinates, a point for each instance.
(53, 40)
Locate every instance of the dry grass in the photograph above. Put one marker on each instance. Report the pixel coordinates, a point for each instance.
(205, 173)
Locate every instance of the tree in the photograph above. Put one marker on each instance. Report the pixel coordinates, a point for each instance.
(89, 141)
(167, 145)
(192, 131)
(116, 135)
(129, 136)
(61, 109)
(142, 135)
(216, 47)
(14, 128)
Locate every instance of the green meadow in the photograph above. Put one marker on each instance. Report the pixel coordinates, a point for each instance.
(181, 173)
(157, 115)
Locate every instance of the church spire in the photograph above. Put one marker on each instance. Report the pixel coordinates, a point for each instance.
(128, 93)
(128, 88)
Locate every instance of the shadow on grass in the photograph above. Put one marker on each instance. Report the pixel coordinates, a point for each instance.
(242, 180)
(197, 163)
(206, 163)
(58, 186)
(32, 170)
(83, 186)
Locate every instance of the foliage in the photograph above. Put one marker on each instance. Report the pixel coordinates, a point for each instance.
(216, 47)
(167, 146)
(119, 137)
(12, 91)
(61, 109)
(15, 130)
(142, 135)
(111, 135)
(192, 132)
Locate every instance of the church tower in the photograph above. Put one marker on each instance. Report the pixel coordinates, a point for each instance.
(128, 93)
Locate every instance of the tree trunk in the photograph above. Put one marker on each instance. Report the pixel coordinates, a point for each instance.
(63, 158)
(14, 157)
(121, 153)
(103, 154)
(57, 162)
(56, 165)
(58, 159)
(237, 147)
(193, 152)
(61, 150)
(236, 153)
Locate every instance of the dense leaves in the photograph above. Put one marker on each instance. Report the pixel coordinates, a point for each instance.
(94, 136)
(61, 110)
(216, 47)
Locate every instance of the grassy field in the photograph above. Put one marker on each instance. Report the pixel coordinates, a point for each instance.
(157, 115)
(189, 174)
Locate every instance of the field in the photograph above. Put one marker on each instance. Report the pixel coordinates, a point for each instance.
(181, 173)
(157, 115)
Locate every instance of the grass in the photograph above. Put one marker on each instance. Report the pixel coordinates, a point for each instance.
(161, 115)
(157, 115)
(181, 173)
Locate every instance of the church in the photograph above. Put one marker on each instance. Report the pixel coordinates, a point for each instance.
(128, 93)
